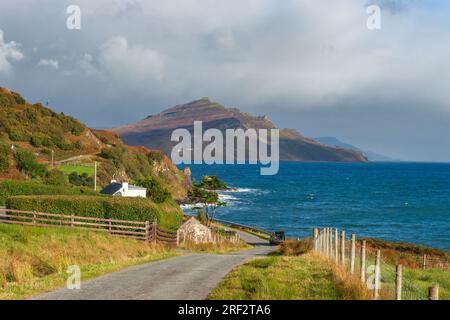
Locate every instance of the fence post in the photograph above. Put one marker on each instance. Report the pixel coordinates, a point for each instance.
(321, 242)
(336, 245)
(343, 247)
(424, 262)
(315, 236)
(330, 253)
(398, 283)
(147, 231)
(34, 218)
(377, 275)
(433, 292)
(109, 225)
(155, 230)
(178, 237)
(352, 254)
(326, 241)
(362, 274)
(318, 240)
(72, 220)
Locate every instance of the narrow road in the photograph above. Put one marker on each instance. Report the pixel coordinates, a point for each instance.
(188, 277)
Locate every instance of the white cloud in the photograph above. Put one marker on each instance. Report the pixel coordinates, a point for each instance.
(131, 65)
(9, 51)
(51, 63)
(295, 57)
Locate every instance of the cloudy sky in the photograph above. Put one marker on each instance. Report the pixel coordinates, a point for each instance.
(312, 65)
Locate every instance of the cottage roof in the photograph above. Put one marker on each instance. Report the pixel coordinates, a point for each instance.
(112, 188)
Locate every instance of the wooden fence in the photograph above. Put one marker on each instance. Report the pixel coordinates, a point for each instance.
(354, 255)
(140, 230)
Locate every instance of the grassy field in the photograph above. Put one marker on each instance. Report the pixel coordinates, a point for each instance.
(305, 277)
(79, 169)
(35, 260)
(423, 279)
(416, 282)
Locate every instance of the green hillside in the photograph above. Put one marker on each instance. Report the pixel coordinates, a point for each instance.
(30, 134)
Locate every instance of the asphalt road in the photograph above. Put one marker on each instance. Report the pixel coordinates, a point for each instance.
(187, 277)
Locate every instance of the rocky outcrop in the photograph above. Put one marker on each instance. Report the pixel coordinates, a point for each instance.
(193, 230)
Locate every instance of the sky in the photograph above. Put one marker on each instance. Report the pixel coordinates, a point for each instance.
(312, 65)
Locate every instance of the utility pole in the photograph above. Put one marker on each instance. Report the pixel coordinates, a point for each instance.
(95, 176)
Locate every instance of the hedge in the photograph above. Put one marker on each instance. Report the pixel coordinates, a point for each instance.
(10, 188)
(168, 214)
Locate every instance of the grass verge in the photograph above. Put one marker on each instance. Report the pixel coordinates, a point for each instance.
(35, 260)
(305, 277)
(218, 248)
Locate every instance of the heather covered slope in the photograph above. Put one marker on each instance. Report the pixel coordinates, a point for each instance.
(155, 131)
(40, 130)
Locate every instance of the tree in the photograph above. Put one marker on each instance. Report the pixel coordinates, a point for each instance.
(204, 193)
(213, 183)
(155, 190)
(26, 162)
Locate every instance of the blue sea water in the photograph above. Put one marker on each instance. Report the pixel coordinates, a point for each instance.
(394, 201)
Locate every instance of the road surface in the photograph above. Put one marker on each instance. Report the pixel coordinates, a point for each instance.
(191, 276)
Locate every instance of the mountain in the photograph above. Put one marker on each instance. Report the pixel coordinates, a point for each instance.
(155, 131)
(41, 131)
(372, 156)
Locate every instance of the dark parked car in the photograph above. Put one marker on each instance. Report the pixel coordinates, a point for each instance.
(277, 237)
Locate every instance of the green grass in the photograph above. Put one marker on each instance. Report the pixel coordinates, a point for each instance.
(305, 277)
(415, 281)
(79, 169)
(35, 260)
(217, 248)
(423, 279)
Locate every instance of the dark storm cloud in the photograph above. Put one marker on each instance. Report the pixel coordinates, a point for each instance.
(315, 60)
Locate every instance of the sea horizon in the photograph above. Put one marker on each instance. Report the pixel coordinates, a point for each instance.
(393, 201)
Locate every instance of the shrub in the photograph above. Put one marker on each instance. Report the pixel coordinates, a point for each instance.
(156, 155)
(17, 134)
(55, 177)
(155, 190)
(81, 179)
(18, 98)
(46, 151)
(136, 209)
(108, 153)
(26, 162)
(4, 158)
(295, 247)
(14, 187)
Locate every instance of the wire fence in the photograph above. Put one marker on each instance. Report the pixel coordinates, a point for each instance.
(385, 279)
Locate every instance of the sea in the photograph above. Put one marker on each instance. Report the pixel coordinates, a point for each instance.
(405, 202)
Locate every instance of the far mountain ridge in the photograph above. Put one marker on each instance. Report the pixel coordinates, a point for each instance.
(372, 156)
(155, 130)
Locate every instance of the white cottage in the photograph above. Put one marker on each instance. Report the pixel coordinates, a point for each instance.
(124, 190)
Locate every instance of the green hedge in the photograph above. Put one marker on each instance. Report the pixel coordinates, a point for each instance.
(10, 188)
(137, 209)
